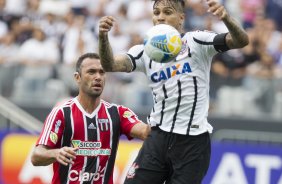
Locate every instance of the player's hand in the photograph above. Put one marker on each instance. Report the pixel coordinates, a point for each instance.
(66, 155)
(105, 25)
(217, 9)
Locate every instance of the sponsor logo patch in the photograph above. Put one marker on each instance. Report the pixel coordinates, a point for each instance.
(194, 126)
(75, 143)
(170, 72)
(86, 144)
(128, 115)
(91, 126)
(75, 175)
(57, 126)
(88, 148)
(93, 152)
(54, 137)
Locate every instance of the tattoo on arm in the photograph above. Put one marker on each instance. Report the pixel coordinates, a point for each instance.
(106, 53)
(122, 63)
(111, 63)
(237, 37)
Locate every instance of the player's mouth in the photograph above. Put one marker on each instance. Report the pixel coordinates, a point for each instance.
(97, 86)
(160, 22)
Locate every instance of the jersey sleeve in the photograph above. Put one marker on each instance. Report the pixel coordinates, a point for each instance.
(127, 119)
(136, 54)
(53, 129)
(208, 41)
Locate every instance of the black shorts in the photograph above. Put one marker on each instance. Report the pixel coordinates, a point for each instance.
(171, 159)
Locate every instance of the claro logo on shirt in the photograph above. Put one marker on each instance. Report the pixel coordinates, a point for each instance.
(75, 175)
(170, 72)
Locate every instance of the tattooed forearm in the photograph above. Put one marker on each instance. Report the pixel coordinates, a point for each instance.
(237, 37)
(106, 53)
(119, 63)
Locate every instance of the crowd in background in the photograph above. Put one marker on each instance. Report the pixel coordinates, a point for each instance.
(40, 41)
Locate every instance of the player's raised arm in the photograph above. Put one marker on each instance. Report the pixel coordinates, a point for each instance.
(111, 63)
(237, 36)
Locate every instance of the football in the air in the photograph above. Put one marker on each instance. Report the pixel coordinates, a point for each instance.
(162, 43)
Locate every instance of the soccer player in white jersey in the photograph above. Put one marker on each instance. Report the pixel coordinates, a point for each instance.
(178, 149)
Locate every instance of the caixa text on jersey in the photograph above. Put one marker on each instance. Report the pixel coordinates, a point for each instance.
(171, 71)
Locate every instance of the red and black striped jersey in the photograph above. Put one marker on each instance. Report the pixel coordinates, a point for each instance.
(96, 134)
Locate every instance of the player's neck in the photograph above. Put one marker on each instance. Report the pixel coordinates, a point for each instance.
(89, 104)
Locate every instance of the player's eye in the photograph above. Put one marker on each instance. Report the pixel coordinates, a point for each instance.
(102, 72)
(168, 12)
(156, 12)
(92, 71)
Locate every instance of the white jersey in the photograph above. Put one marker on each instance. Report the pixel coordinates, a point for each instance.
(180, 88)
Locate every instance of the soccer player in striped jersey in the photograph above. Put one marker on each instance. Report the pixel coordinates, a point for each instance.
(80, 137)
(178, 148)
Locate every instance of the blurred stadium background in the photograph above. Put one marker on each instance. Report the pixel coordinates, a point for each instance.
(40, 41)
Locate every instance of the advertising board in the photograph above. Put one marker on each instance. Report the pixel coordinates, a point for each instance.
(231, 162)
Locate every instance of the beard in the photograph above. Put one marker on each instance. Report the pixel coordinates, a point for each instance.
(95, 94)
(91, 90)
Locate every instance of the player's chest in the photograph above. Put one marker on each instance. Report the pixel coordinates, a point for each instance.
(94, 128)
(184, 63)
(171, 71)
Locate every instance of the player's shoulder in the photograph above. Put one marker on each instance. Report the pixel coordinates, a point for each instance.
(108, 105)
(137, 52)
(200, 33)
(121, 109)
(200, 37)
(136, 49)
(58, 108)
(64, 103)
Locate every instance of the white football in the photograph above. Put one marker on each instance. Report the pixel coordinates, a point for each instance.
(162, 43)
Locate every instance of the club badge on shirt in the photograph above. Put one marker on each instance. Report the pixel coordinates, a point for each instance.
(132, 170)
(184, 52)
(103, 124)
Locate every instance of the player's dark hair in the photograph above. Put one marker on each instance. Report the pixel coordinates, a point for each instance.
(84, 56)
(177, 4)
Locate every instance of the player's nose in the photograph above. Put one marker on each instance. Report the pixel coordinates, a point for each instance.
(98, 77)
(161, 18)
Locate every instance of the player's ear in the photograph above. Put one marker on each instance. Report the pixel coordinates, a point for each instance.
(182, 19)
(76, 77)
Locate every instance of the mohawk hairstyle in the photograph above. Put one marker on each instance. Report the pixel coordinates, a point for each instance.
(177, 4)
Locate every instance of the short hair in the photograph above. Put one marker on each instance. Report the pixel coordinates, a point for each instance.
(83, 57)
(177, 4)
